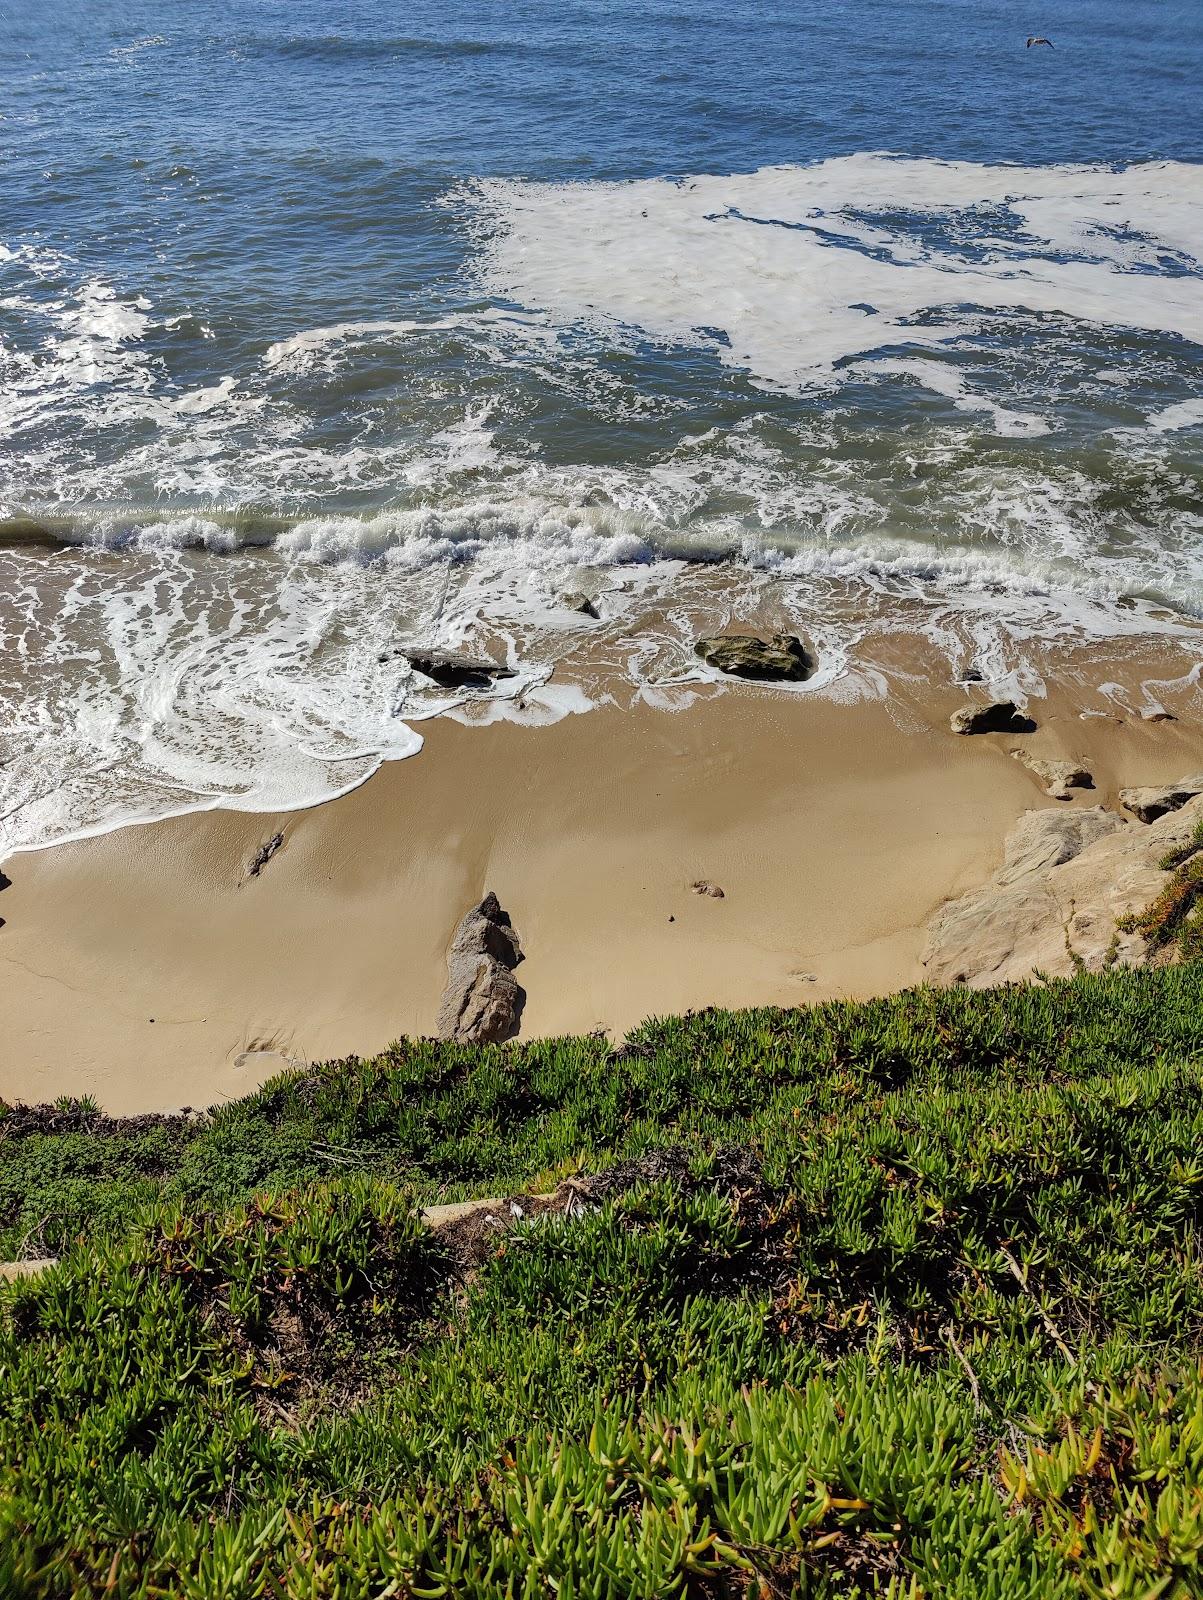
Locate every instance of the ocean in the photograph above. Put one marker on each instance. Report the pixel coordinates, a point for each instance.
(328, 329)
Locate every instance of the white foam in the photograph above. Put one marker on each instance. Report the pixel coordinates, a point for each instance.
(789, 271)
(199, 402)
(93, 345)
(304, 350)
(126, 51)
(539, 707)
(166, 684)
(143, 679)
(1170, 419)
(179, 690)
(947, 380)
(100, 314)
(511, 534)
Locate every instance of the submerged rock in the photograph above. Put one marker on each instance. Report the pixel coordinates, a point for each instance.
(782, 658)
(1150, 803)
(1059, 778)
(999, 716)
(581, 603)
(483, 1001)
(452, 671)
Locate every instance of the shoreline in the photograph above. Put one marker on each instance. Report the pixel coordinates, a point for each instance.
(835, 831)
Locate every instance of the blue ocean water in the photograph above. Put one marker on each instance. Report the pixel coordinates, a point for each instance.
(324, 325)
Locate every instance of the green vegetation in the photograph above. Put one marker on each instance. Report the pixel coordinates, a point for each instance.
(1174, 917)
(901, 1298)
(1183, 852)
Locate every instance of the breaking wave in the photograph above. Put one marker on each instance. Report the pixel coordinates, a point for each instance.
(857, 399)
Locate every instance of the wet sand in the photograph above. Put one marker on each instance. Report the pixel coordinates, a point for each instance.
(146, 969)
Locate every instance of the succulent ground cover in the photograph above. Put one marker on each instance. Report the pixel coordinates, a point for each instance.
(1174, 918)
(900, 1298)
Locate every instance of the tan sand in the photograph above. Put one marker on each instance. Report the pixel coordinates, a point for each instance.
(140, 968)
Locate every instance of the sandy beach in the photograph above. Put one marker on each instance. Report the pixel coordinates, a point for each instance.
(146, 968)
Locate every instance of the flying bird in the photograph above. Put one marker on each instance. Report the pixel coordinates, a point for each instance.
(1035, 40)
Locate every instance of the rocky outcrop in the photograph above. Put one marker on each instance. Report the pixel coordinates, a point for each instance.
(582, 603)
(10, 1271)
(1067, 880)
(1060, 778)
(998, 716)
(482, 1003)
(1044, 839)
(782, 658)
(452, 671)
(1150, 803)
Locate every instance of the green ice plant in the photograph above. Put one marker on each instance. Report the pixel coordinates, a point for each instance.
(899, 1299)
(1173, 919)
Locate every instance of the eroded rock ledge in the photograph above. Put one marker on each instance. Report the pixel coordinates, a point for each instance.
(1068, 879)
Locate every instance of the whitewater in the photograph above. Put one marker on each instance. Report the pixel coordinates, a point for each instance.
(248, 453)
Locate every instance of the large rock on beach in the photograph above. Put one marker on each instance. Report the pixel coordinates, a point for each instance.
(997, 716)
(1067, 880)
(781, 658)
(452, 671)
(1150, 803)
(1060, 778)
(483, 1001)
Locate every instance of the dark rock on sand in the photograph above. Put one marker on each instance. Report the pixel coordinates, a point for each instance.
(704, 886)
(482, 1003)
(452, 671)
(581, 603)
(1150, 803)
(263, 855)
(999, 716)
(782, 658)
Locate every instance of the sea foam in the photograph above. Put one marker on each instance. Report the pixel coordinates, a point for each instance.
(790, 271)
(845, 399)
